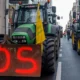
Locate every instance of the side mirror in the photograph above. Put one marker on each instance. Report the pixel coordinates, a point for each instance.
(58, 17)
(53, 9)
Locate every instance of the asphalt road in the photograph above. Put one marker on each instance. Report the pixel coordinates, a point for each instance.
(70, 62)
(68, 65)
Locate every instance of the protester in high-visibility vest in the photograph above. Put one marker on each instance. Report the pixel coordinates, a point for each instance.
(40, 35)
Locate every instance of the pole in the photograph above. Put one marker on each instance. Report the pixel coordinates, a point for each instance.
(7, 17)
(2, 16)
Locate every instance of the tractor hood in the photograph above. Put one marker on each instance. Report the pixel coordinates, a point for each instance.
(19, 33)
(24, 32)
(23, 29)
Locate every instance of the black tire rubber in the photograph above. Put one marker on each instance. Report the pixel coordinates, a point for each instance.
(74, 47)
(78, 51)
(59, 43)
(57, 49)
(48, 57)
(75, 44)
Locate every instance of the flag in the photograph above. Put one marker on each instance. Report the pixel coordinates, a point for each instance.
(40, 35)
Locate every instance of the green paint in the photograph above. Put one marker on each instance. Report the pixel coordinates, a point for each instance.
(29, 41)
(49, 28)
(32, 27)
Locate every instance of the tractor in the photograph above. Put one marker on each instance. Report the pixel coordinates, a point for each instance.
(75, 31)
(24, 19)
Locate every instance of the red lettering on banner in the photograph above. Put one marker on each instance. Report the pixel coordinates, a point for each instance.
(7, 64)
(31, 60)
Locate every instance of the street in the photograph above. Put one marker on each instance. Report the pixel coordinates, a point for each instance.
(68, 67)
(70, 62)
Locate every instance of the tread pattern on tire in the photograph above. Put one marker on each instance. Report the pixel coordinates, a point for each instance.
(48, 58)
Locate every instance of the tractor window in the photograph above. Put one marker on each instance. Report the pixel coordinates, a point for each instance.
(28, 15)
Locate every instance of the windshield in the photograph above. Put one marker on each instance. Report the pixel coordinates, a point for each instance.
(28, 15)
(21, 30)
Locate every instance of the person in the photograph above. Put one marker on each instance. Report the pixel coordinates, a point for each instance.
(64, 34)
(68, 34)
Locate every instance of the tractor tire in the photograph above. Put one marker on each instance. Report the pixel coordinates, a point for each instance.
(78, 51)
(48, 57)
(57, 48)
(74, 47)
(59, 43)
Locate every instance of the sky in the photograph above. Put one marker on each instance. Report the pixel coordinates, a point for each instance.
(63, 9)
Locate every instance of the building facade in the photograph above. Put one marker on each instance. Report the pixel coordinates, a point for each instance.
(2, 17)
(41, 2)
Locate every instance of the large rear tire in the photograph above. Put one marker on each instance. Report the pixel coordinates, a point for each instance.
(48, 58)
(57, 49)
(78, 51)
(74, 47)
(75, 44)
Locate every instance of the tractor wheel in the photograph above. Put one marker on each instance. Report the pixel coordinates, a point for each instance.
(78, 51)
(57, 48)
(74, 47)
(59, 43)
(78, 47)
(48, 58)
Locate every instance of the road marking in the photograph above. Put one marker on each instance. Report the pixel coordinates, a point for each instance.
(60, 55)
(58, 76)
(61, 46)
(60, 50)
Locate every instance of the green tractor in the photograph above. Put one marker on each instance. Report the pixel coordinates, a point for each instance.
(24, 20)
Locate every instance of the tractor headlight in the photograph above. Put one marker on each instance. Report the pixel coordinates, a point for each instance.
(18, 37)
(24, 37)
(21, 37)
(23, 41)
(14, 37)
(15, 41)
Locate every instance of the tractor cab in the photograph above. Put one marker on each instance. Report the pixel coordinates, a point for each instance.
(26, 14)
(24, 20)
